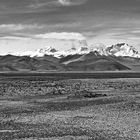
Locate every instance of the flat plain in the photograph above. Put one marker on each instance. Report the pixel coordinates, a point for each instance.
(65, 108)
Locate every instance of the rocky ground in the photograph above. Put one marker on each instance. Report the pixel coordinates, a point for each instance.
(40, 108)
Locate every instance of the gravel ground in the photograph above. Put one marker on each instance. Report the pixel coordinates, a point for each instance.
(38, 109)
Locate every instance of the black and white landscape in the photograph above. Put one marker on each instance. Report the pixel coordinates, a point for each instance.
(69, 70)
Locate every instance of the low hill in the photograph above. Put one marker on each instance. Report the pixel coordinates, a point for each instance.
(22, 63)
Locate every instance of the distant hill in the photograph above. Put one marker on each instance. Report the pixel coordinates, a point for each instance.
(7, 68)
(117, 57)
(94, 62)
(26, 63)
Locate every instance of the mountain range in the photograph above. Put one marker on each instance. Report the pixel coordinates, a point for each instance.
(117, 57)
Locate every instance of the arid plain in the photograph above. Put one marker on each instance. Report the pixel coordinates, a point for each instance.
(57, 108)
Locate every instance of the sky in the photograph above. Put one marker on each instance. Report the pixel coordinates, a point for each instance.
(31, 24)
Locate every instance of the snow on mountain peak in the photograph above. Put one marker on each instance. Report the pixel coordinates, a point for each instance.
(77, 47)
(81, 47)
(47, 50)
(122, 49)
(100, 48)
(42, 51)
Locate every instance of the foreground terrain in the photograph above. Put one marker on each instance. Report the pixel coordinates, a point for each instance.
(48, 108)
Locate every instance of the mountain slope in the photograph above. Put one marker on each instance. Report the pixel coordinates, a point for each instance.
(26, 63)
(94, 62)
(131, 62)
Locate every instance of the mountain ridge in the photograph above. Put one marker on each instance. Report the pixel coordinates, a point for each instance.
(120, 49)
(117, 57)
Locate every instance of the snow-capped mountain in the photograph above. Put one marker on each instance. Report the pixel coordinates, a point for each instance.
(39, 52)
(122, 49)
(78, 58)
(81, 47)
(100, 48)
(77, 47)
(44, 51)
(47, 50)
(72, 51)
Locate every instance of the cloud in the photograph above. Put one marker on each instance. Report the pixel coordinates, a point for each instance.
(71, 2)
(18, 27)
(10, 27)
(65, 2)
(66, 25)
(39, 4)
(14, 38)
(61, 36)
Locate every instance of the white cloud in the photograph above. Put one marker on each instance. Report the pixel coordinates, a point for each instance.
(62, 35)
(65, 2)
(10, 27)
(71, 2)
(39, 4)
(51, 5)
(14, 38)
(18, 27)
